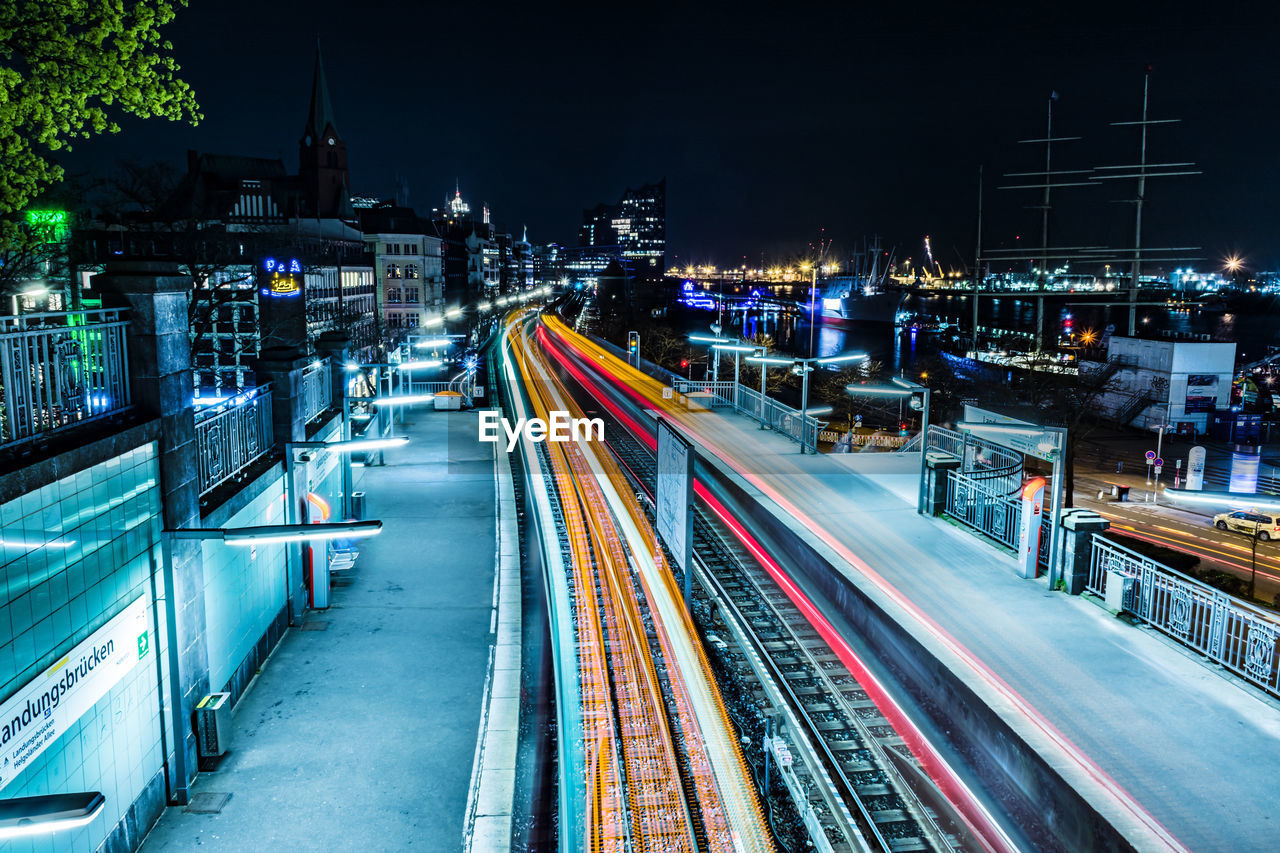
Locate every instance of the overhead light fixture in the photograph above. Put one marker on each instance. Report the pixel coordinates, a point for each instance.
(404, 399)
(48, 813)
(271, 534)
(421, 364)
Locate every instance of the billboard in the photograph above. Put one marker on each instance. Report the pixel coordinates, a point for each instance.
(674, 495)
(1202, 392)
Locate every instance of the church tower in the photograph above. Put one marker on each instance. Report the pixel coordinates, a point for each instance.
(322, 157)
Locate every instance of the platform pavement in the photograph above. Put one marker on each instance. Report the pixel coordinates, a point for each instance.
(1199, 750)
(362, 736)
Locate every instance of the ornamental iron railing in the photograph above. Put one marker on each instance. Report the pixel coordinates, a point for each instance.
(974, 503)
(317, 390)
(1237, 635)
(232, 436)
(998, 466)
(60, 369)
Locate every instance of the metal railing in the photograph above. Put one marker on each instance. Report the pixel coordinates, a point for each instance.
(780, 417)
(231, 437)
(1237, 635)
(317, 391)
(722, 392)
(999, 467)
(974, 503)
(60, 369)
(913, 444)
(425, 387)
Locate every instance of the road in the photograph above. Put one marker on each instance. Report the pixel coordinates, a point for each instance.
(1182, 529)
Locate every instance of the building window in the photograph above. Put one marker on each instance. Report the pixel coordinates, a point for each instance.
(411, 321)
(393, 271)
(393, 294)
(410, 270)
(411, 294)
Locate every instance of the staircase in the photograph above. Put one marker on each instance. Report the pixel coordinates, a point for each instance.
(1130, 410)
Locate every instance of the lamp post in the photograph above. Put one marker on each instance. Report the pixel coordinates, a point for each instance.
(737, 350)
(238, 536)
(919, 396)
(764, 361)
(712, 339)
(804, 366)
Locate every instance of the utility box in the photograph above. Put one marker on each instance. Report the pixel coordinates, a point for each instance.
(1119, 597)
(213, 725)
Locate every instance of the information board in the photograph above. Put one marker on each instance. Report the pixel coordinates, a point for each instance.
(674, 495)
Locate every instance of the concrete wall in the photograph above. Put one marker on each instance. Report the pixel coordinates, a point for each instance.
(1162, 368)
(102, 522)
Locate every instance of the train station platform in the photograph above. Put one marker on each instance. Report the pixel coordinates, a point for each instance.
(1122, 713)
(360, 731)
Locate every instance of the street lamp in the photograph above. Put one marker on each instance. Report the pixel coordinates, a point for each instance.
(764, 361)
(737, 350)
(919, 396)
(804, 366)
(242, 536)
(48, 813)
(345, 447)
(712, 339)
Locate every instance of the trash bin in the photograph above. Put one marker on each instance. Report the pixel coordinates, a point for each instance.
(1119, 492)
(357, 506)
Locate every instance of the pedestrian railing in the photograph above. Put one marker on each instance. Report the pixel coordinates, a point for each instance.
(913, 444)
(317, 391)
(424, 387)
(60, 369)
(231, 436)
(1233, 633)
(974, 503)
(722, 391)
(998, 466)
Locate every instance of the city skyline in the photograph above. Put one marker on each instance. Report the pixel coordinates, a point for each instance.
(880, 133)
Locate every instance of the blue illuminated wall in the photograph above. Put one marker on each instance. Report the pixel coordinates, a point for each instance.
(101, 527)
(244, 588)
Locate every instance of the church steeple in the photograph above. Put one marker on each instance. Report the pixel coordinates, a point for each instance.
(322, 155)
(320, 115)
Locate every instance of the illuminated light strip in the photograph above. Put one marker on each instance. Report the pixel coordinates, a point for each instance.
(1090, 767)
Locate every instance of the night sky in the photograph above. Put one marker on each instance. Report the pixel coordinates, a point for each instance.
(769, 122)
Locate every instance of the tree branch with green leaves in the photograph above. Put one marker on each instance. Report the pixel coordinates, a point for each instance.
(69, 70)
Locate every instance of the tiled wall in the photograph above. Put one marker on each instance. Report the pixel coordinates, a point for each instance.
(244, 587)
(75, 553)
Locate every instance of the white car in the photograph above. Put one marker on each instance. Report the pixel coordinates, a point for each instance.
(1267, 526)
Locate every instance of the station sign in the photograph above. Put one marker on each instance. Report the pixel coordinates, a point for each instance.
(50, 704)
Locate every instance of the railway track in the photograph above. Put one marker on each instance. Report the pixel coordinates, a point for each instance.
(658, 771)
(879, 787)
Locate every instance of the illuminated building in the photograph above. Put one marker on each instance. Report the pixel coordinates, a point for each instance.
(408, 262)
(636, 225)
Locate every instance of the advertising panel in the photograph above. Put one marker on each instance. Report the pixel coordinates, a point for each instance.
(674, 492)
